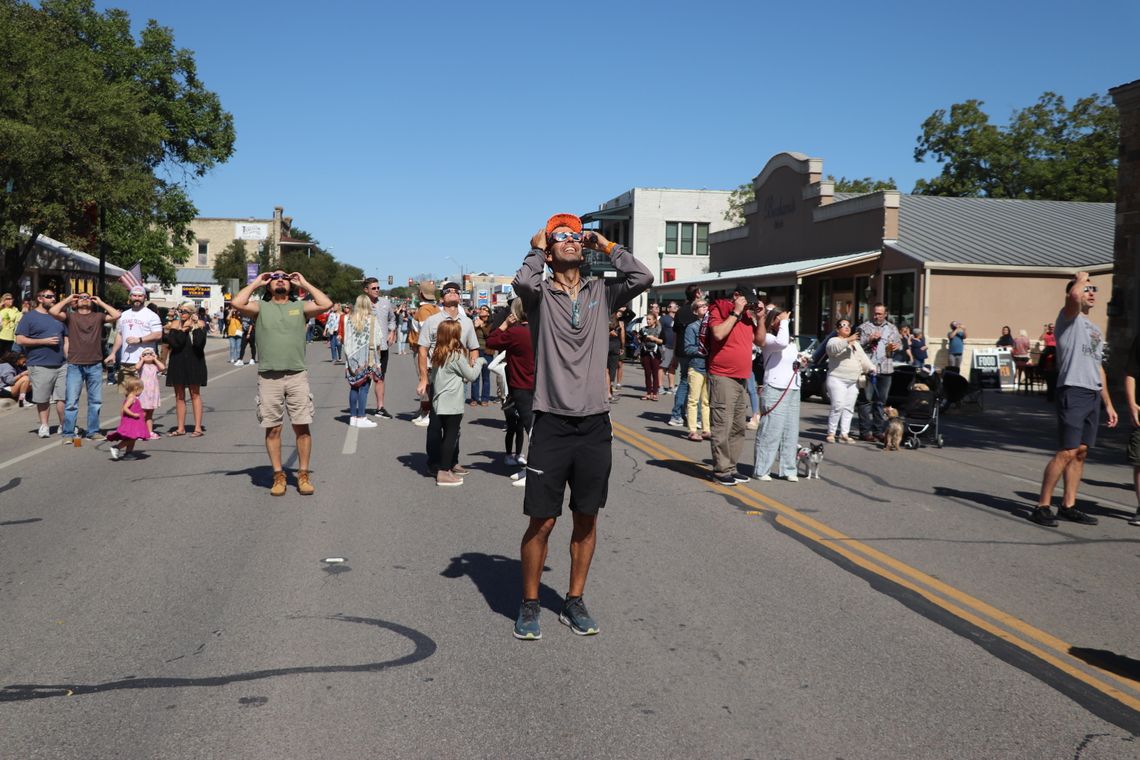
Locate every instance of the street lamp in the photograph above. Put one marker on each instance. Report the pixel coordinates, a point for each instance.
(461, 272)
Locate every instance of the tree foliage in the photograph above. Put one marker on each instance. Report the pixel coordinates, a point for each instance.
(230, 264)
(863, 185)
(340, 282)
(737, 200)
(94, 122)
(1046, 152)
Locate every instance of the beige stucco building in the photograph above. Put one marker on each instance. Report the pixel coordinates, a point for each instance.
(985, 262)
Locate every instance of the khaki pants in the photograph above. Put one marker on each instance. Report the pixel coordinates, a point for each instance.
(698, 393)
(729, 409)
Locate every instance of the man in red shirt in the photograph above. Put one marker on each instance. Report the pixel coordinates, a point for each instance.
(732, 329)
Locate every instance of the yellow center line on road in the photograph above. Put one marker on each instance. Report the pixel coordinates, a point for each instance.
(957, 602)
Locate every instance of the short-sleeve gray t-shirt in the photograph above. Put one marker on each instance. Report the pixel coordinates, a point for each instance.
(1080, 351)
(431, 325)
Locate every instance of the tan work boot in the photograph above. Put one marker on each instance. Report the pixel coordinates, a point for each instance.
(304, 485)
(278, 488)
(448, 479)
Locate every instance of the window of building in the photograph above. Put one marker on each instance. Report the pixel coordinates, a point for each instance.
(899, 298)
(203, 252)
(687, 238)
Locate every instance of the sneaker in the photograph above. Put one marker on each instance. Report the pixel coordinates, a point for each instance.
(725, 479)
(253, 361)
(95, 437)
(352, 421)
(447, 479)
(44, 431)
(740, 478)
(1135, 520)
(421, 421)
(666, 391)
(846, 439)
(460, 470)
(1072, 514)
(574, 614)
(765, 477)
(526, 627)
(383, 414)
(510, 460)
(304, 484)
(676, 422)
(116, 453)
(364, 422)
(278, 488)
(793, 478)
(1043, 516)
(519, 475)
(519, 479)
(522, 460)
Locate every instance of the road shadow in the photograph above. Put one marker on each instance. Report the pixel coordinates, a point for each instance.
(11, 484)
(21, 522)
(498, 579)
(1020, 507)
(260, 476)
(1085, 505)
(1108, 484)
(415, 461)
(1110, 661)
(491, 422)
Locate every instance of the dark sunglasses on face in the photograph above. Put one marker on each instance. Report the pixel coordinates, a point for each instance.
(450, 290)
(1090, 288)
(279, 276)
(47, 295)
(561, 237)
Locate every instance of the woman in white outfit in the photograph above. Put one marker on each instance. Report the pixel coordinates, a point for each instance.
(779, 430)
(846, 361)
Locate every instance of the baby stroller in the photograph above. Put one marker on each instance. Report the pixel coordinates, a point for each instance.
(923, 411)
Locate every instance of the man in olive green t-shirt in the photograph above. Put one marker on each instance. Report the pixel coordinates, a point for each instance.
(282, 380)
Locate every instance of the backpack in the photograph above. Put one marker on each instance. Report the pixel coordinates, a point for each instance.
(421, 315)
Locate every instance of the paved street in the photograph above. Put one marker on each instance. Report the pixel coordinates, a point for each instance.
(900, 607)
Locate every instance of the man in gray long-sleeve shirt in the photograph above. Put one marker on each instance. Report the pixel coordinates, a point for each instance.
(571, 439)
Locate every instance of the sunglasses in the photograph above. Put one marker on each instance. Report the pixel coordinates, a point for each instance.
(47, 295)
(562, 237)
(450, 290)
(1090, 288)
(279, 276)
(84, 297)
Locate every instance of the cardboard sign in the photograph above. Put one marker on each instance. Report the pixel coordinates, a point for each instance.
(994, 368)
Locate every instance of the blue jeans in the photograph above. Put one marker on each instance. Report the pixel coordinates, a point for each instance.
(778, 435)
(682, 396)
(752, 397)
(358, 400)
(334, 347)
(235, 348)
(481, 386)
(79, 375)
(874, 398)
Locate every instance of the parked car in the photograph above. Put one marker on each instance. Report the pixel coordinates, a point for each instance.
(813, 374)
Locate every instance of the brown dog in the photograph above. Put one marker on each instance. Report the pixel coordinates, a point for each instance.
(893, 435)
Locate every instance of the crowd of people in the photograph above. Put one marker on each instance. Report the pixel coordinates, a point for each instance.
(729, 359)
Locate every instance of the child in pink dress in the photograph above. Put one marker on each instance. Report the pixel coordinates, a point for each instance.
(150, 399)
(132, 426)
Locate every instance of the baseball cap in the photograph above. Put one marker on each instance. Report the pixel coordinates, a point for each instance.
(455, 285)
(138, 290)
(563, 220)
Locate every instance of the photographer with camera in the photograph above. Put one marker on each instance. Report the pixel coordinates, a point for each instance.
(734, 324)
(879, 339)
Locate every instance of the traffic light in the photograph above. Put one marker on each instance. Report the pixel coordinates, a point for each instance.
(390, 280)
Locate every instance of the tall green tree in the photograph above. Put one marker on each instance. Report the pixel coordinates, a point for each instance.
(96, 124)
(1046, 152)
(862, 185)
(230, 264)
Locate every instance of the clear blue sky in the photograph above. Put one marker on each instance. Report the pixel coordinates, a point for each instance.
(401, 134)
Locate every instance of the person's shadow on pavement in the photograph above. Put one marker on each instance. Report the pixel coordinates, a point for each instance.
(498, 579)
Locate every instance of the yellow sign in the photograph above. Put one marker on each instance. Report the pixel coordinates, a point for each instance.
(196, 291)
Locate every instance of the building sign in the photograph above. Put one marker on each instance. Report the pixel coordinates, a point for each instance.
(251, 231)
(484, 297)
(994, 368)
(196, 291)
(251, 271)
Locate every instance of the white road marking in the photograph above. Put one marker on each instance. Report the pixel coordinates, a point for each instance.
(350, 441)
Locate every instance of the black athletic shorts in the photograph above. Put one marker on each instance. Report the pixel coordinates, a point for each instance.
(574, 451)
(1078, 416)
(383, 365)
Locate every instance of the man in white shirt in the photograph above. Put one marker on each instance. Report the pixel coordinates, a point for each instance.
(139, 329)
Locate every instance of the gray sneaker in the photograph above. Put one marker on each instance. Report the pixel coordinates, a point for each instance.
(1135, 520)
(526, 627)
(574, 614)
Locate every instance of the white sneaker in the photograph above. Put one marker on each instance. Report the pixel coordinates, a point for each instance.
(519, 482)
(765, 477)
(510, 460)
(793, 479)
(352, 422)
(520, 475)
(522, 460)
(253, 361)
(421, 421)
(116, 453)
(675, 422)
(44, 431)
(364, 422)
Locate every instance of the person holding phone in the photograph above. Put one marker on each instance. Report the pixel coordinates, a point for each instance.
(186, 370)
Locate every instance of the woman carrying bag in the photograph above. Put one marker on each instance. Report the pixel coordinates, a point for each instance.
(361, 364)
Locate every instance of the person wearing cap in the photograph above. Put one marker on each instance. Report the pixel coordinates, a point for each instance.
(44, 341)
(733, 328)
(138, 328)
(282, 377)
(571, 439)
(450, 310)
(84, 358)
(426, 308)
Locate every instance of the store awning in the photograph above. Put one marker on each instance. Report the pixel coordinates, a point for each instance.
(51, 254)
(616, 214)
(770, 274)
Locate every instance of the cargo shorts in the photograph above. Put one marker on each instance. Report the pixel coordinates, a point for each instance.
(280, 392)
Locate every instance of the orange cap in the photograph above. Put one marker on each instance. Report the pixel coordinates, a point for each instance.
(563, 220)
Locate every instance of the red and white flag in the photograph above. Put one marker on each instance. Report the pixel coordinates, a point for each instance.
(133, 277)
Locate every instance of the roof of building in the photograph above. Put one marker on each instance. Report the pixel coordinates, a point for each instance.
(1003, 232)
(787, 269)
(49, 253)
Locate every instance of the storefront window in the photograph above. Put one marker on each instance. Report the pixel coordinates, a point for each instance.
(670, 238)
(825, 321)
(899, 298)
